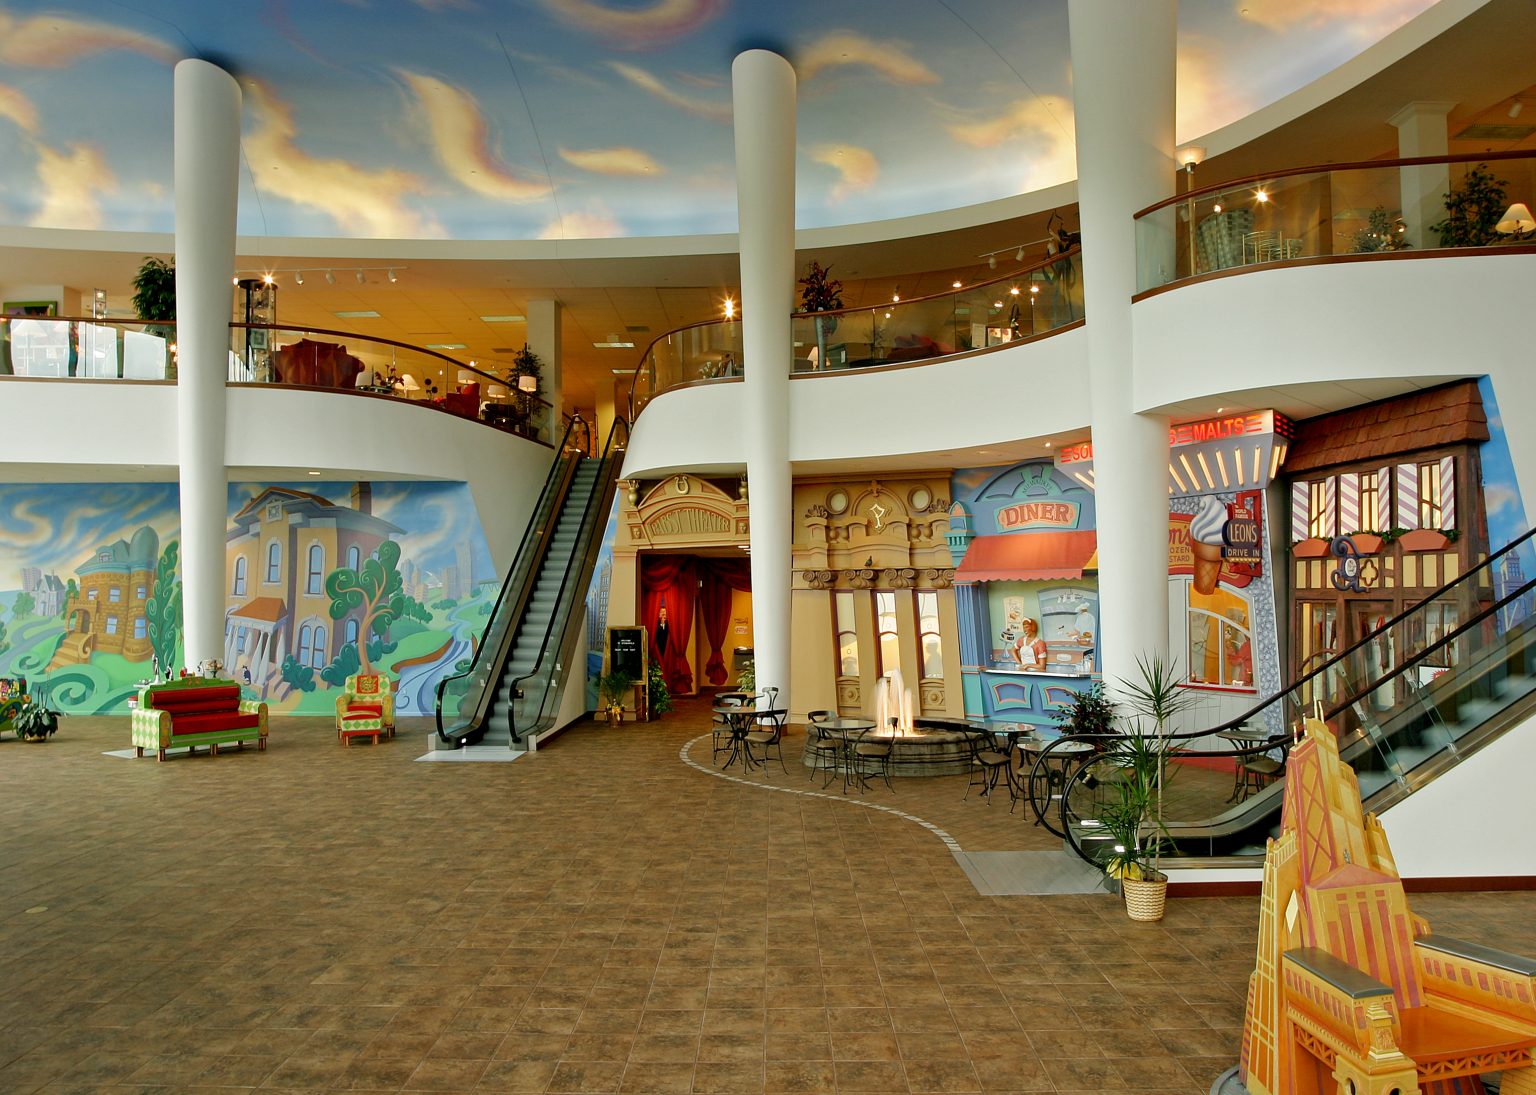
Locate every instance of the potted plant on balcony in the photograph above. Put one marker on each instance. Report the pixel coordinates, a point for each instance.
(525, 377)
(820, 292)
(35, 721)
(154, 302)
(1472, 210)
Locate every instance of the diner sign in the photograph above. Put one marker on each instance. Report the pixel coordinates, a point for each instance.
(1035, 515)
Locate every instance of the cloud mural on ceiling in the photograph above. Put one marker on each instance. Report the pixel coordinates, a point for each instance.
(637, 28)
(475, 120)
(461, 139)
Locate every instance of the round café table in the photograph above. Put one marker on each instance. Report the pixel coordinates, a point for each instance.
(849, 730)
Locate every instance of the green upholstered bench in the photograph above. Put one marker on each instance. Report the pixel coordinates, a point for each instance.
(196, 711)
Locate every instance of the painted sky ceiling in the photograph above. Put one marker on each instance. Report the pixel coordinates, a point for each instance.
(522, 119)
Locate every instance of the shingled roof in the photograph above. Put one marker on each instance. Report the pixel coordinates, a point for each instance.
(1451, 414)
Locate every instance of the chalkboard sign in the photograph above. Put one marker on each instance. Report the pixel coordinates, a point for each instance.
(626, 652)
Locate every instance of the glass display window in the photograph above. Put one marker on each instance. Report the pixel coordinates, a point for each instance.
(1220, 639)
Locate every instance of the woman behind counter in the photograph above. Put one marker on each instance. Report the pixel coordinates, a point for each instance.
(1029, 647)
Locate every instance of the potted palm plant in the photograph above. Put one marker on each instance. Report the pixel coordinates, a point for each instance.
(35, 722)
(1131, 822)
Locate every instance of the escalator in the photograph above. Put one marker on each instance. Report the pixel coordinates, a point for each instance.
(1415, 697)
(510, 691)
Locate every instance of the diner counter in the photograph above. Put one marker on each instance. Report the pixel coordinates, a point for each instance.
(1021, 695)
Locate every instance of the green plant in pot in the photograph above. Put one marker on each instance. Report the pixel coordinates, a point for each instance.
(658, 697)
(36, 722)
(746, 679)
(525, 377)
(154, 302)
(614, 687)
(1090, 713)
(1472, 210)
(1140, 760)
(820, 292)
(1134, 768)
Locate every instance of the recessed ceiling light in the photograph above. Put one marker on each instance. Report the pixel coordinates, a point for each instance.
(622, 372)
(613, 345)
(446, 346)
(366, 313)
(314, 473)
(504, 319)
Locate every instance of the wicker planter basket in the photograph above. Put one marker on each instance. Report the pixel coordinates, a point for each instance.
(1144, 897)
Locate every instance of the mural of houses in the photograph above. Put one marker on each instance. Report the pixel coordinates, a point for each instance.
(46, 590)
(106, 614)
(280, 547)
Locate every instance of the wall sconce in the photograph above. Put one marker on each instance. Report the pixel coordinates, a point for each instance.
(528, 383)
(1516, 222)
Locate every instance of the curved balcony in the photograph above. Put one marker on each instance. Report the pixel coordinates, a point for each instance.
(966, 321)
(1343, 212)
(337, 362)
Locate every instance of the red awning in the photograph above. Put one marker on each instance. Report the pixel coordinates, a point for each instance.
(1027, 556)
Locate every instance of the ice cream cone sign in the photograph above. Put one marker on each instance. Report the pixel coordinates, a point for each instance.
(1205, 543)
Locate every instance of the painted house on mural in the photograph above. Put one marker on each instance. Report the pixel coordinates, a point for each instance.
(280, 548)
(106, 613)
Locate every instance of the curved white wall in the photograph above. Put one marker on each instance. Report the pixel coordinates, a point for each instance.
(112, 431)
(1456, 315)
(1014, 392)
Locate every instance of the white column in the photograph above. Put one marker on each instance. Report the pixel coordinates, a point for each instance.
(544, 340)
(1123, 87)
(763, 98)
(1421, 132)
(207, 160)
(610, 405)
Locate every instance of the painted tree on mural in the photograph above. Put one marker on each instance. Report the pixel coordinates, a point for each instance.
(376, 589)
(163, 609)
(23, 606)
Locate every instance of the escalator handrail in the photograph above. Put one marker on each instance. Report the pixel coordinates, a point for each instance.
(554, 483)
(605, 478)
(1413, 660)
(1299, 682)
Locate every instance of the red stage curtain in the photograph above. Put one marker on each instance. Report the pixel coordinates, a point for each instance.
(719, 577)
(673, 580)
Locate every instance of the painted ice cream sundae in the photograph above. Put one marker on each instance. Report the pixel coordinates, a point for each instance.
(1205, 542)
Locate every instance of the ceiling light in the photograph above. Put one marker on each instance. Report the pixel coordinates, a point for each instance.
(364, 313)
(1515, 108)
(992, 261)
(1047, 444)
(1034, 288)
(314, 473)
(895, 298)
(503, 319)
(446, 346)
(330, 277)
(1014, 291)
(393, 277)
(613, 346)
(1019, 255)
(1261, 195)
(1217, 207)
(730, 308)
(298, 277)
(955, 284)
(268, 279)
(360, 278)
(234, 281)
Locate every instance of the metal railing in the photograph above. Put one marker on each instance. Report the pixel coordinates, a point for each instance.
(1032, 301)
(1380, 209)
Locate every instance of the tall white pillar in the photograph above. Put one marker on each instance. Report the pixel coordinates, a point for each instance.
(207, 162)
(1123, 89)
(1421, 131)
(763, 98)
(544, 340)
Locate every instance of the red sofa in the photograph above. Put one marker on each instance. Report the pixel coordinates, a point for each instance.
(196, 711)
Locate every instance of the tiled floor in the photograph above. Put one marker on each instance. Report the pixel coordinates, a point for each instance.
(598, 917)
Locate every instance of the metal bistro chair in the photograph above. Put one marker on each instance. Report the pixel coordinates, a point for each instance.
(988, 763)
(771, 738)
(823, 750)
(877, 751)
(723, 731)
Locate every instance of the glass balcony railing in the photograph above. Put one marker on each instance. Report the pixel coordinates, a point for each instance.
(1031, 301)
(1323, 212)
(65, 347)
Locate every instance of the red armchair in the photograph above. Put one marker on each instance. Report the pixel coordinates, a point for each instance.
(464, 402)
